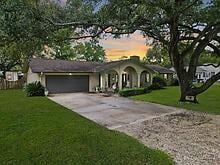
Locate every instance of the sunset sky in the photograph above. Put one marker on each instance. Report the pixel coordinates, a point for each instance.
(135, 44)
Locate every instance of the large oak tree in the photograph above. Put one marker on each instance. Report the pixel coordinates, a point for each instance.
(186, 28)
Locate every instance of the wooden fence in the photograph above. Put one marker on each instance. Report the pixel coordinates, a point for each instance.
(4, 84)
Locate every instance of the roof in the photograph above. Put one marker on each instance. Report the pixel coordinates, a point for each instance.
(55, 65)
(200, 70)
(60, 66)
(159, 69)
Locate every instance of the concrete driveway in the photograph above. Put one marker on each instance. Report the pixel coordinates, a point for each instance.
(112, 112)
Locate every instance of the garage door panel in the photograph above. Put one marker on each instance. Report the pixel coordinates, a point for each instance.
(67, 84)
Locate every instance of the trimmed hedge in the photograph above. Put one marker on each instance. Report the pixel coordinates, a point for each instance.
(133, 92)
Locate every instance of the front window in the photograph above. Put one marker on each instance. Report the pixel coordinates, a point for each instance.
(165, 76)
(147, 77)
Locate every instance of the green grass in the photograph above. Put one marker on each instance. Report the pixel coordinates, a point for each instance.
(38, 131)
(209, 101)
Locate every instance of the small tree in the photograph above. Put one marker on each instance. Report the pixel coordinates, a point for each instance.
(89, 51)
(157, 55)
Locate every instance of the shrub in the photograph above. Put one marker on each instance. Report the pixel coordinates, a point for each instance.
(160, 80)
(34, 89)
(155, 86)
(157, 83)
(133, 92)
(174, 82)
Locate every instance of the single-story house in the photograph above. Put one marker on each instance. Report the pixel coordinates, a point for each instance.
(62, 76)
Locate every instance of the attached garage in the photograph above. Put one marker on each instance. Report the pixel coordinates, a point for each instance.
(67, 84)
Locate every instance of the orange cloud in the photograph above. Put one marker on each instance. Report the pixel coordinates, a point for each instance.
(135, 44)
(113, 54)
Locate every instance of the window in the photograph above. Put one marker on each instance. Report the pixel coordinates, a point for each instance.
(165, 76)
(204, 75)
(147, 77)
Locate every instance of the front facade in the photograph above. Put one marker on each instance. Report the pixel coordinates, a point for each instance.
(11, 76)
(206, 71)
(60, 76)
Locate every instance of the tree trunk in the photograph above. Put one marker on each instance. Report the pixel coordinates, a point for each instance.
(187, 95)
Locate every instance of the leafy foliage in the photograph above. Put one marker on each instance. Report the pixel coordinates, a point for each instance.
(157, 83)
(133, 92)
(174, 82)
(208, 57)
(158, 55)
(34, 89)
(89, 51)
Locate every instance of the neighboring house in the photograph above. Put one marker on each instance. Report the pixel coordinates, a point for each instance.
(206, 71)
(11, 76)
(164, 72)
(61, 76)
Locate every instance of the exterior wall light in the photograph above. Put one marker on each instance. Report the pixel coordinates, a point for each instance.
(46, 92)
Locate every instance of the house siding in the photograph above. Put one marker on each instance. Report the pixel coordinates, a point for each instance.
(32, 77)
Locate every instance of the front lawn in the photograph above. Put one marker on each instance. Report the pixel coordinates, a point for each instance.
(38, 131)
(209, 101)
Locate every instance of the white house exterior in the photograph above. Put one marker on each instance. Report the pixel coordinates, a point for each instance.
(203, 72)
(206, 71)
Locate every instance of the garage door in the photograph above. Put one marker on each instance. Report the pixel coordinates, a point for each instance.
(67, 84)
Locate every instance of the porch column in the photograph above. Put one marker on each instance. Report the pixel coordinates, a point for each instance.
(106, 81)
(139, 80)
(102, 81)
(120, 81)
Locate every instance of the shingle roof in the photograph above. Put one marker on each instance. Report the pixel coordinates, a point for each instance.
(200, 69)
(60, 66)
(109, 65)
(55, 65)
(159, 69)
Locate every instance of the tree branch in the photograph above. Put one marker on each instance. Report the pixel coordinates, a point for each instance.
(206, 85)
(198, 50)
(215, 48)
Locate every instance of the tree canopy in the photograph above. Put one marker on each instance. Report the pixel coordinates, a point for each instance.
(186, 28)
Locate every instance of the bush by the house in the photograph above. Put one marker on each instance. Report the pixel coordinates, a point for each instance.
(133, 92)
(34, 89)
(158, 83)
(174, 82)
(155, 86)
